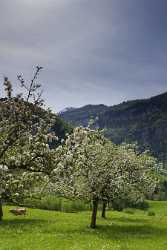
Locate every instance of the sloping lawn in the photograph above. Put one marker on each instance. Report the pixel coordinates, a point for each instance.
(48, 230)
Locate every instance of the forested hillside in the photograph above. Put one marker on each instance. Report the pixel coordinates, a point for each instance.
(143, 121)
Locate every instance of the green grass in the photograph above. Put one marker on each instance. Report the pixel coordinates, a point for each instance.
(49, 230)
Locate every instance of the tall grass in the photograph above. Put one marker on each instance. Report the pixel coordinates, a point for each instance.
(51, 202)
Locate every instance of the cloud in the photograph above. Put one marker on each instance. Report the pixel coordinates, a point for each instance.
(92, 51)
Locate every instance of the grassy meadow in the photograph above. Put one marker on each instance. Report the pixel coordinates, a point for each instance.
(49, 230)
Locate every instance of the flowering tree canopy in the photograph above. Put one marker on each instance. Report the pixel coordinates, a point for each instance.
(94, 169)
(24, 154)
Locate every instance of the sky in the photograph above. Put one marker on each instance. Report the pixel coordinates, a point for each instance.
(92, 51)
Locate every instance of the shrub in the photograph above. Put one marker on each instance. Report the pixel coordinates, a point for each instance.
(151, 213)
(143, 205)
(119, 205)
(129, 211)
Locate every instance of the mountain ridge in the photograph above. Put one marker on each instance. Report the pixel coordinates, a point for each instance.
(141, 120)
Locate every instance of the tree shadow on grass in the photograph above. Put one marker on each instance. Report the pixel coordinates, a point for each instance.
(122, 232)
(23, 222)
(128, 220)
(113, 231)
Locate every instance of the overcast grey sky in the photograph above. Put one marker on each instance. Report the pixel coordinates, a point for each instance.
(92, 51)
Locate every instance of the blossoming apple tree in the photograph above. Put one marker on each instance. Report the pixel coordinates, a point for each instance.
(25, 158)
(92, 168)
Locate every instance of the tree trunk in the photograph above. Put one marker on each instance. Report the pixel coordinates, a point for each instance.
(94, 213)
(1, 211)
(103, 215)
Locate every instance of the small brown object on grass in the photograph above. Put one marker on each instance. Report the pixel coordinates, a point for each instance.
(18, 211)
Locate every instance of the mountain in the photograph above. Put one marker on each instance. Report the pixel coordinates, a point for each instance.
(67, 109)
(82, 116)
(142, 121)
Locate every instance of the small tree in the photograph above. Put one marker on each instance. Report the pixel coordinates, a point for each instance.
(137, 175)
(94, 169)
